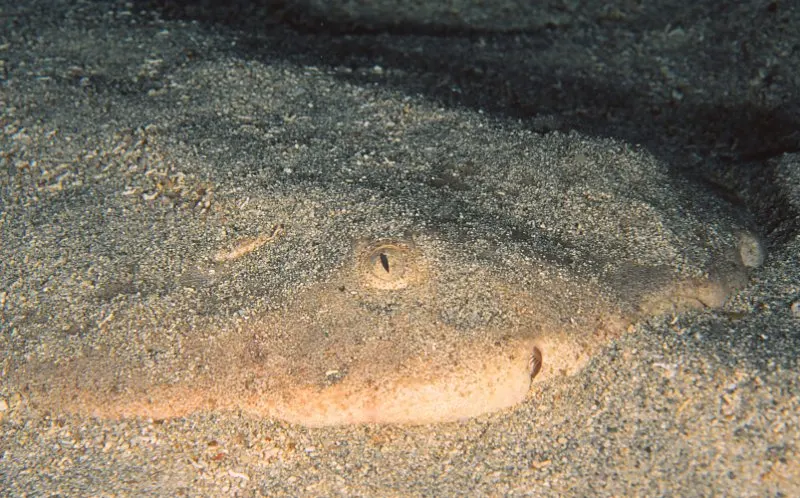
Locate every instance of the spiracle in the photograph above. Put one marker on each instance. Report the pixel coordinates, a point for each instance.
(535, 363)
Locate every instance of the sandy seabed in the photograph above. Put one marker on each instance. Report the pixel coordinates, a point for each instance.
(149, 148)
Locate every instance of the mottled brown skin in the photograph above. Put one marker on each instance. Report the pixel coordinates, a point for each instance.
(405, 366)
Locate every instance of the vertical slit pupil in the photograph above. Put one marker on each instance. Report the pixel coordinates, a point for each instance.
(385, 262)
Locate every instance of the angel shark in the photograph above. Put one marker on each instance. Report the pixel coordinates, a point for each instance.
(335, 255)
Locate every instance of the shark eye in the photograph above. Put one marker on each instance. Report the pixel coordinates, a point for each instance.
(389, 265)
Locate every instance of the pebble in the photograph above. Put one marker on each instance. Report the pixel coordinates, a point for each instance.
(751, 250)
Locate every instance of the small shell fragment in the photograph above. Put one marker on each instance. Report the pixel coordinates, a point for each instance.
(247, 245)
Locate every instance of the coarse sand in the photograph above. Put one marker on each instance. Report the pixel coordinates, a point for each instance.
(252, 249)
